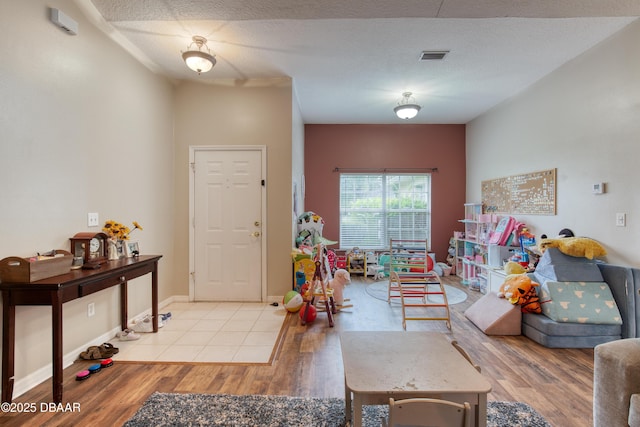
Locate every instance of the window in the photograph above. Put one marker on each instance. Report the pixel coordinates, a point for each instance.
(377, 207)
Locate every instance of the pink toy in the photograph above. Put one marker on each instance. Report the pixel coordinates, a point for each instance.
(340, 279)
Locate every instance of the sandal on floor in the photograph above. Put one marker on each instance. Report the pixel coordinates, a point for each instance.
(92, 353)
(108, 350)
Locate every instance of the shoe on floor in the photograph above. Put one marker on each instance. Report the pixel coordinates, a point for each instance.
(145, 325)
(127, 335)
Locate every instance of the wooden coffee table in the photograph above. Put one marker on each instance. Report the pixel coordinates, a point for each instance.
(380, 365)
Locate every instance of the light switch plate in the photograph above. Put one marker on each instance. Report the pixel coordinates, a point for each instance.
(93, 219)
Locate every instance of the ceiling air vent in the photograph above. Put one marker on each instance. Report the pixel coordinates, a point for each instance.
(433, 55)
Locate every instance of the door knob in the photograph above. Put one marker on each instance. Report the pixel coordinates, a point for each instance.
(255, 234)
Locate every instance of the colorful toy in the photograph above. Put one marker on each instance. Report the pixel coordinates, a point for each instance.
(504, 229)
(316, 291)
(300, 280)
(82, 375)
(529, 300)
(418, 262)
(520, 290)
(340, 279)
(292, 301)
(305, 238)
(308, 313)
(332, 260)
(521, 258)
(513, 267)
(310, 227)
(507, 289)
(526, 238)
(574, 246)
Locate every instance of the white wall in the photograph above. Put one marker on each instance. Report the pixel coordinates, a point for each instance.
(584, 120)
(83, 128)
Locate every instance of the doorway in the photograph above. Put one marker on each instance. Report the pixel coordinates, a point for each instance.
(227, 231)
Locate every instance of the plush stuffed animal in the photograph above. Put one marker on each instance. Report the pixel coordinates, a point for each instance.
(528, 299)
(520, 290)
(574, 246)
(512, 267)
(340, 279)
(507, 289)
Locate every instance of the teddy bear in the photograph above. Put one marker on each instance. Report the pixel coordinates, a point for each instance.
(574, 246)
(520, 290)
(340, 279)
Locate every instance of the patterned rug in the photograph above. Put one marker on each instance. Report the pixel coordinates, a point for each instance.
(171, 409)
(378, 290)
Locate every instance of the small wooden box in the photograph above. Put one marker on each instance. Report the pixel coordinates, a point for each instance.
(21, 270)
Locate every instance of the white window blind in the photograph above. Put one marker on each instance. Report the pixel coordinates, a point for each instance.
(377, 207)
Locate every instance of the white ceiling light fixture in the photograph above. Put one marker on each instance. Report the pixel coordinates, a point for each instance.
(407, 108)
(199, 60)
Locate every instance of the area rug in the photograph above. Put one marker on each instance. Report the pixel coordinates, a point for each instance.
(378, 290)
(171, 409)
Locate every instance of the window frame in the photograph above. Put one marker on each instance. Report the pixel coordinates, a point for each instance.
(385, 211)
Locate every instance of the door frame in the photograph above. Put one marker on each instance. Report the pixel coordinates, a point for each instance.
(193, 149)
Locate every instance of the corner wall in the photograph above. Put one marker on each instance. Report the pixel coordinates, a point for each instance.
(584, 120)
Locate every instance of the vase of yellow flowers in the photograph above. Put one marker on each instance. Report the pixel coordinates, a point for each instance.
(118, 233)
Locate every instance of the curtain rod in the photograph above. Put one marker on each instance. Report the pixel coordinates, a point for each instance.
(385, 170)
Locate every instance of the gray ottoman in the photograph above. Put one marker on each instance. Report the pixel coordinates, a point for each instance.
(552, 334)
(616, 377)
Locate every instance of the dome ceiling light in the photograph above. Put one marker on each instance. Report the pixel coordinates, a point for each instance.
(199, 60)
(407, 108)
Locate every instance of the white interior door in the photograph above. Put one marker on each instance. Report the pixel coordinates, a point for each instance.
(227, 202)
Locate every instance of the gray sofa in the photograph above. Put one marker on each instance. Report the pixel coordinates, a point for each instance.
(624, 283)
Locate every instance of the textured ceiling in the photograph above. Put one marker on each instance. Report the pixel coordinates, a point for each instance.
(351, 60)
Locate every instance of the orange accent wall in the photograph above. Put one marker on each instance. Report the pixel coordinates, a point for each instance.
(388, 146)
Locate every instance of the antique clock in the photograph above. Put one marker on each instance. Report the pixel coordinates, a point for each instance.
(91, 246)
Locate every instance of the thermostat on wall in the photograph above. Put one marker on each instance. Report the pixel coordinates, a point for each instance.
(63, 21)
(598, 188)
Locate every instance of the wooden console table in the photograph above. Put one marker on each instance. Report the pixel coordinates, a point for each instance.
(55, 291)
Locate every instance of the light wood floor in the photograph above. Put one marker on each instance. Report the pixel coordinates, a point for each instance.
(556, 382)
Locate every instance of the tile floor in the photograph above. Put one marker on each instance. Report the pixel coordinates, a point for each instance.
(209, 332)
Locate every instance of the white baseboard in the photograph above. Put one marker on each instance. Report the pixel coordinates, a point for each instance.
(277, 298)
(25, 384)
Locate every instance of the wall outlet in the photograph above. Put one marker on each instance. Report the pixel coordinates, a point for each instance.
(91, 309)
(621, 220)
(93, 219)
